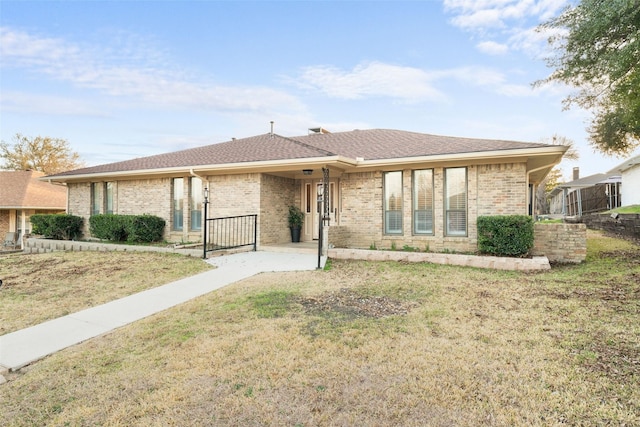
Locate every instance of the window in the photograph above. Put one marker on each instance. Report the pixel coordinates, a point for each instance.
(196, 201)
(109, 197)
(393, 202)
(455, 199)
(97, 200)
(423, 201)
(178, 208)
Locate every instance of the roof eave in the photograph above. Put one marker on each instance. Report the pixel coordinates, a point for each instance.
(239, 167)
(496, 156)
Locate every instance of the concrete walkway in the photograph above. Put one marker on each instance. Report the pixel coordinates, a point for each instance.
(20, 348)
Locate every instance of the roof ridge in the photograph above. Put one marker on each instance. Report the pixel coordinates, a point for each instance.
(304, 144)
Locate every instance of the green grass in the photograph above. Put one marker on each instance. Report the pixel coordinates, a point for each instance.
(463, 347)
(631, 209)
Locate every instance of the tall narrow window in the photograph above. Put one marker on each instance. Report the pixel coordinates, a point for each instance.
(109, 197)
(97, 199)
(456, 201)
(178, 200)
(196, 201)
(423, 201)
(393, 202)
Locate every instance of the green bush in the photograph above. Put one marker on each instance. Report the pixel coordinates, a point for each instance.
(57, 226)
(145, 228)
(505, 235)
(132, 228)
(109, 227)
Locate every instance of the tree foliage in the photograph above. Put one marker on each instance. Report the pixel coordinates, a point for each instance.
(596, 49)
(44, 154)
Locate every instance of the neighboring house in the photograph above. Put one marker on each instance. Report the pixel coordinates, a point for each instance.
(594, 193)
(23, 194)
(385, 187)
(630, 173)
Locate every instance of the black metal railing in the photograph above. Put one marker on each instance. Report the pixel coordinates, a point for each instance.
(230, 232)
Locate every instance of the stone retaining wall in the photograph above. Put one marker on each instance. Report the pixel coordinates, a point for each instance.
(498, 263)
(560, 242)
(35, 245)
(623, 224)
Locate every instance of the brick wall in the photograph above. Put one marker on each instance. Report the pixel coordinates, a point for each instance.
(276, 194)
(4, 222)
(491, 190)
(566, 243)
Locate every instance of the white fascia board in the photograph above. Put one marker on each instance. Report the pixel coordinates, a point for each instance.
(478, 156)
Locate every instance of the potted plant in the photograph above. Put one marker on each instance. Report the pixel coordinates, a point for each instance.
(296, 218)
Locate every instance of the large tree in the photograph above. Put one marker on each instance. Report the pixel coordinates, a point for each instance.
(44, 154)
(596, 49)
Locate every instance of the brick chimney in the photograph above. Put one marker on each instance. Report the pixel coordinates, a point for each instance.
(576, 173)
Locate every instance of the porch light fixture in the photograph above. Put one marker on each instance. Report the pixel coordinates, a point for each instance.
(307, 171)
(205, 193)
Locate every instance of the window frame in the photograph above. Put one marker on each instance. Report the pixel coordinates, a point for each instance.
(97, 198)
(387, 181)
(177, 215)
(415, 212)
(196, 201)
(448, 231)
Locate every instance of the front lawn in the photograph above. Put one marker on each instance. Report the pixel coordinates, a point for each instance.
(380, 344)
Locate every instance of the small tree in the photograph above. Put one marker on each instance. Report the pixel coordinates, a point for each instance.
(43, 154)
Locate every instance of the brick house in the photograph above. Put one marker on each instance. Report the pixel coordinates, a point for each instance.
(23, 194)
(385, 187)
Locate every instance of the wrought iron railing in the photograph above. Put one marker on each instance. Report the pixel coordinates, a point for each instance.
(230, 232)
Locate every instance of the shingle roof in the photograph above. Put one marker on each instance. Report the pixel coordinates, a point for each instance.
(373, 144)
(24, 190)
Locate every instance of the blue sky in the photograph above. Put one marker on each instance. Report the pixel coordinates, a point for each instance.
(125, 79)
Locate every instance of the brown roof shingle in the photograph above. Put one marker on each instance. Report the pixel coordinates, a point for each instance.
(24, 190)
(373, 144)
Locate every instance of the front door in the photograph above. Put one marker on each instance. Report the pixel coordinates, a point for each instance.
(313, 209)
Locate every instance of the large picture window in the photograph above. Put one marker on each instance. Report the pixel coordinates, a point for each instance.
(178, 203)
(393, 202)
(455, 199)
(423, 201)
(196, 201)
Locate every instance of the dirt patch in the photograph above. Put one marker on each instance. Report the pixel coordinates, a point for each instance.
(351, 302)
(620, 360)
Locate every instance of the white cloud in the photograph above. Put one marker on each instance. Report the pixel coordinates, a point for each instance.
(406, 84)
(374, 79)
(513, 22)
(20, 102)
(492, 48)
(490, 14)
(132, 74)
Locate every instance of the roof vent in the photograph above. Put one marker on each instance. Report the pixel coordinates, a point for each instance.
(319, 130)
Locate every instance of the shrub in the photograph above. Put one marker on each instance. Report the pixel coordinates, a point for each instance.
(109, 227)
(505, 235)
(145, 228)
(57, 226)
(132, 228)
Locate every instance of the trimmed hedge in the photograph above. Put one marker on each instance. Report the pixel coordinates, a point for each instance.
(132, 228)
(505, 235)
(57, 226)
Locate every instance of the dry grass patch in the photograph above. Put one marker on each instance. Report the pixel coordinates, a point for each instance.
(40, 287)
(466, 347)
